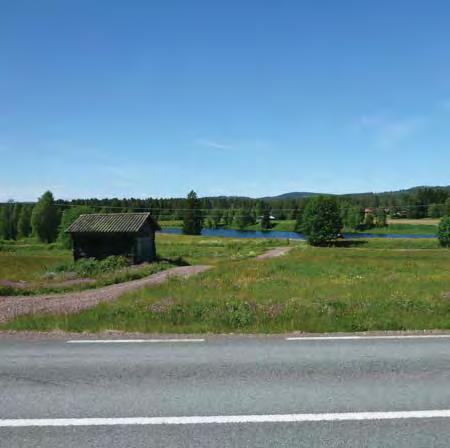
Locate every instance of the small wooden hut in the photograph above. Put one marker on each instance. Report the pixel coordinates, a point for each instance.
(99, 235)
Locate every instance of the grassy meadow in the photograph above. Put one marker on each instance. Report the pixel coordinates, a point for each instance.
(371, 285)
(209, 250)
(34, 263)
(411, 229)
(27, 260)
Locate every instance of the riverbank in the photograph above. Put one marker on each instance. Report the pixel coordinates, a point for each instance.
(395, 227)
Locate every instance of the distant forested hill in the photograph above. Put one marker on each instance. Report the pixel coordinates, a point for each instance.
(292, 195)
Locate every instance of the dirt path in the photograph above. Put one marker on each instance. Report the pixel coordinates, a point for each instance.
(277, 252)
(73, 302)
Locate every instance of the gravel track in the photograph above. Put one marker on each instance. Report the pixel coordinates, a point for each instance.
(277, 252)
(73, 302)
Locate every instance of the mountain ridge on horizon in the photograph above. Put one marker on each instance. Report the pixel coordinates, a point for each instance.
(305, 194)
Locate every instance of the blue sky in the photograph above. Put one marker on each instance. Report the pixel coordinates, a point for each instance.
(243, 97)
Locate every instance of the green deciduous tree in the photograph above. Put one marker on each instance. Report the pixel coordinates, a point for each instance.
(45, 218)
(380, 218)
(243, 219)
(369, 220)
(193, 217)
(216, 218)
(299, 220)
(295, 212)
(352, 217)
(228, 218)
(436, 210)
(8, 227)
(24, 222)
(444, 232)
(321, 222)
(447, 207)
(68, 217)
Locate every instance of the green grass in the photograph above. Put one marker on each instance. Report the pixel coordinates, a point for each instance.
(412, 229)
(31, 261)
(373, 286)
(283, 226)
(395, 243)
(28, 259)
(177, 224)
(17, 267)
(210, 250)
(37, 272)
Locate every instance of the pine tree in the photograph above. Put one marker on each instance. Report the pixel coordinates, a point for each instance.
(265, 220)
(193, 217)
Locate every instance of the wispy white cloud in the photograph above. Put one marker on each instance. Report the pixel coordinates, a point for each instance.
(213, 144)
(389, 133)
(392, 134)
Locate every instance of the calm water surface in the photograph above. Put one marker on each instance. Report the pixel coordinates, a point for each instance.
(232, 233)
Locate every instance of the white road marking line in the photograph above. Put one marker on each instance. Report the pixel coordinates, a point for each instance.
(223, 419)
(130, 341)
(343, 338)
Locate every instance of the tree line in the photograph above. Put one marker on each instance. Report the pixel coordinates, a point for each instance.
(48, 218)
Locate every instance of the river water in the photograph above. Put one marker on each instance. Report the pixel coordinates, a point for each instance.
(232, 233)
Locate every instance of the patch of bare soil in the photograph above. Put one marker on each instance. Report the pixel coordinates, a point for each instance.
(277, 252)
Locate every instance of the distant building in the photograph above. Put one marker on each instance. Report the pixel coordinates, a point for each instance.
(99, 235)
(272, 218)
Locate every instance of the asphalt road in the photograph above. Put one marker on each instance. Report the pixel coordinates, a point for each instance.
(220, 377)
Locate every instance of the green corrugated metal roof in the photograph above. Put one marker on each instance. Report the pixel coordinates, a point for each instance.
(111, 223)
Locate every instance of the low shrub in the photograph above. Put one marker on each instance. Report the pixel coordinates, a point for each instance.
(444, 232)
(239, 314)
(89, 267)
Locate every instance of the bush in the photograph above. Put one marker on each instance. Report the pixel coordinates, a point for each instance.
(321, 221)
(89, 267)
(444, 232)
(238, 314)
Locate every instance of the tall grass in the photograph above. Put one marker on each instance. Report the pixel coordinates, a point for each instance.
(311, 290)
